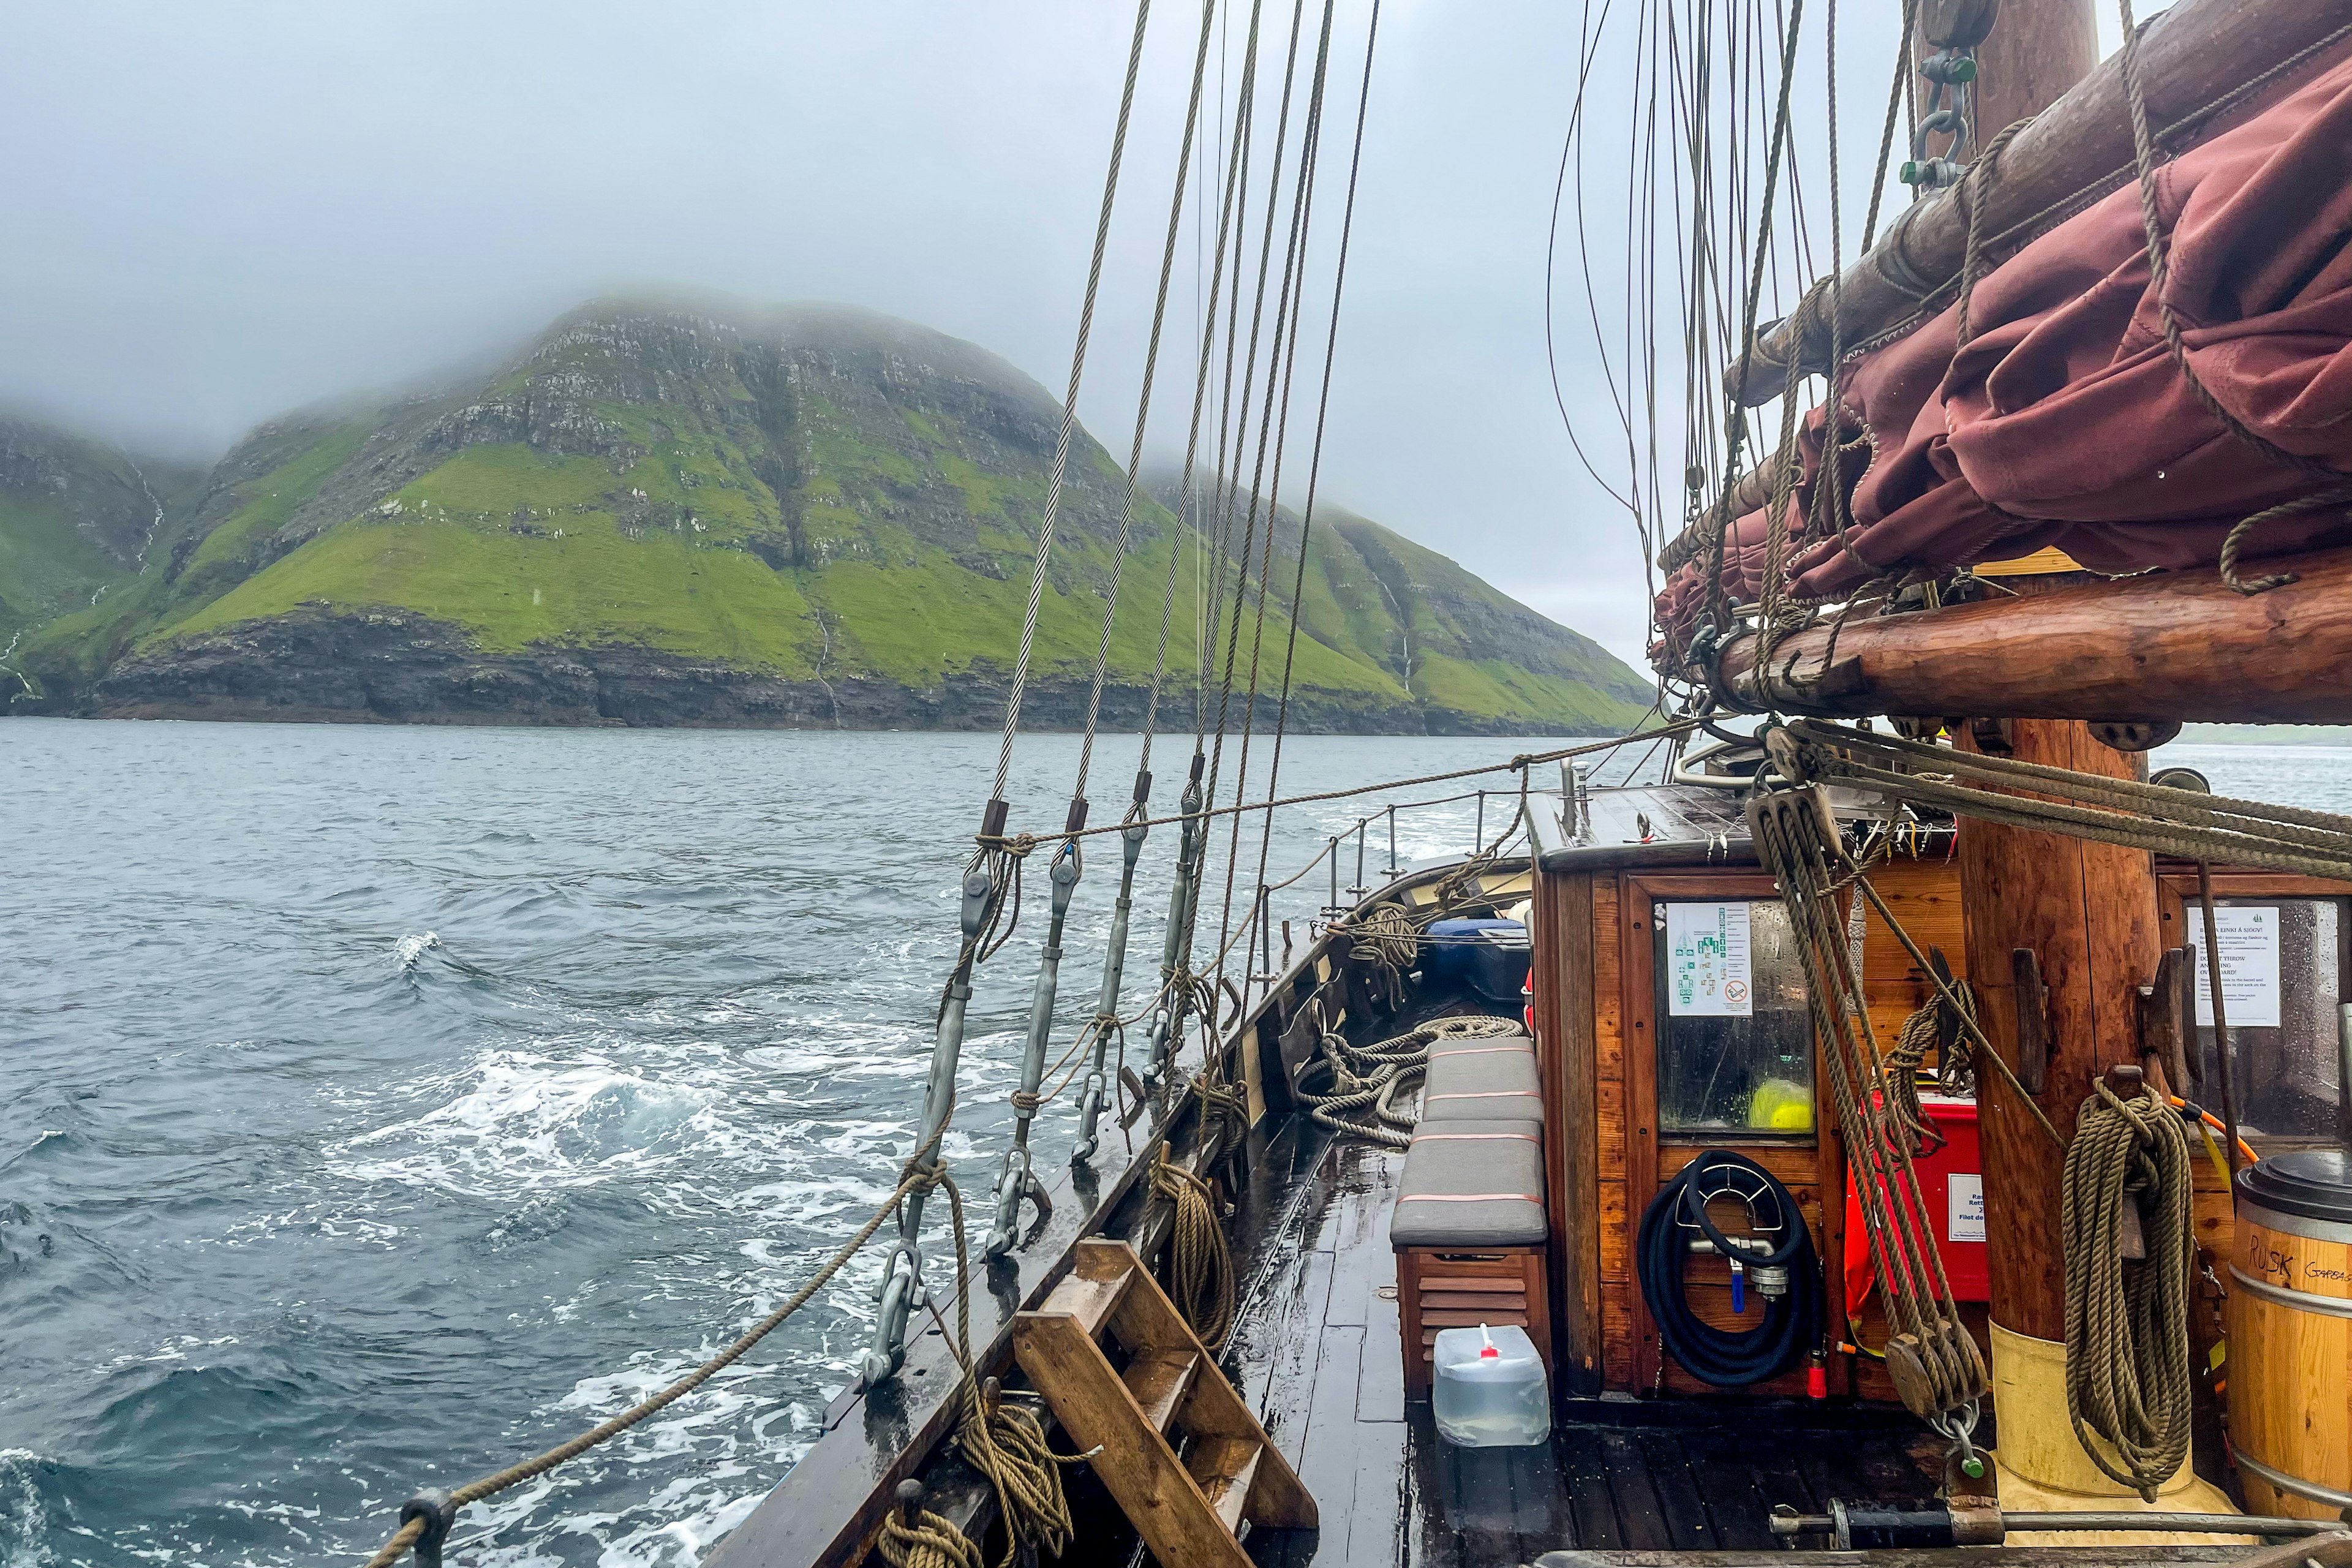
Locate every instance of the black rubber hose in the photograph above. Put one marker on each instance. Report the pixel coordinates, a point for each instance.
(1791, 1324)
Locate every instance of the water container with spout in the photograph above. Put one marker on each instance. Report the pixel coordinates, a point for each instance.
(1490, 1391)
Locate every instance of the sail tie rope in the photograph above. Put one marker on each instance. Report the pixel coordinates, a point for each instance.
(2128, 1330)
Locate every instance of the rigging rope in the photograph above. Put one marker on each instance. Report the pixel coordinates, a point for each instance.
(1201, 1265)
(1315, 458)
(1069, 410)
(1143, 419)
(1935, 1362)
(915, 1177)
(2179, 823)
(2128, 1330)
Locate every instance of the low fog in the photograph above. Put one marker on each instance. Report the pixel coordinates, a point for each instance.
(218, 212)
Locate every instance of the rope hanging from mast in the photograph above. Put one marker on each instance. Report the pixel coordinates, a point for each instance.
(1934, 1360)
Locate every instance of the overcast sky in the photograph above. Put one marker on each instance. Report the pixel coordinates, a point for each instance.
(216, 212)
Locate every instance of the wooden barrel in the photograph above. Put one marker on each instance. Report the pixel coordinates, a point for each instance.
(2290, 1315)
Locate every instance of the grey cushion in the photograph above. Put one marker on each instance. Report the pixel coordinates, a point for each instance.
(1470, 1183)
(1480, 1080)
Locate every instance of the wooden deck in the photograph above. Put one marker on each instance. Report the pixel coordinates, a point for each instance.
(1316, 1354)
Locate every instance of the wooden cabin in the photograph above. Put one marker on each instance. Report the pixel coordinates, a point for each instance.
(1634, 1068)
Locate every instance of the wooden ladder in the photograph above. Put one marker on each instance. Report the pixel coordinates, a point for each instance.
(1188, 1507)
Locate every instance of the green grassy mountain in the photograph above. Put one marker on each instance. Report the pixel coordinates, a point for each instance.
(75, 517)
(672, 513)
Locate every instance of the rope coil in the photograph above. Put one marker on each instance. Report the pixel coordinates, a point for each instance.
(1200, 1264)
(2127, 1376)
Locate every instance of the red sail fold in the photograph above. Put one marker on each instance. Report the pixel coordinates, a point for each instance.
(2064, 422)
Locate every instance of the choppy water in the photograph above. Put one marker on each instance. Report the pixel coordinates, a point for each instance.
(384, 1104)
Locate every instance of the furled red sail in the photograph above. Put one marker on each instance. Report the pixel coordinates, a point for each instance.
(2063, 421)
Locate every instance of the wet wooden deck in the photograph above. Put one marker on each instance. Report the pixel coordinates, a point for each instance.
(1318, 1354)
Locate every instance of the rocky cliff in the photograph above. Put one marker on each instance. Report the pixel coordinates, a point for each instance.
(704, 513)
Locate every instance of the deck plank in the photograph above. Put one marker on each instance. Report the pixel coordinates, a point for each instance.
(1272, 1357)
(1677, 1490)
(1379, 1532)
(1432, 1540)
(1641, 1519)
(1584, 1478)
(1723, 1464)
(1327, 1448)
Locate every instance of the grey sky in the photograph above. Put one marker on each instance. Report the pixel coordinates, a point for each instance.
(219, 212)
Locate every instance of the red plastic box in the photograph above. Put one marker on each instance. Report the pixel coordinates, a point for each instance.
(1952, 1182)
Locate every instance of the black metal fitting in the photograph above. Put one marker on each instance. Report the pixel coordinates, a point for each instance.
(1142, 787)
(992, 820)
(433, 1507)
(1078, 816)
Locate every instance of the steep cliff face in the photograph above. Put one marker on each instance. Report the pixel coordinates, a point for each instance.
(697, 514)
(75, 520)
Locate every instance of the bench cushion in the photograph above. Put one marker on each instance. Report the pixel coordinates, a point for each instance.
(1470, 1183)
(1482, 1079)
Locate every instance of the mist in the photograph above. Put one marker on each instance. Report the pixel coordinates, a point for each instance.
(219, 213)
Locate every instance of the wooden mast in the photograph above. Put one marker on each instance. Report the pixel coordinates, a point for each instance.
(2086, 911)
(2086, 915)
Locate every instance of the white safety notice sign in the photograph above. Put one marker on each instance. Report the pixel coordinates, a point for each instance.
(1708, 971)
(2248, 937)
(1964, 1218)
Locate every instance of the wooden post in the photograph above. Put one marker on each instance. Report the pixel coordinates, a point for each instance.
(2087, 912)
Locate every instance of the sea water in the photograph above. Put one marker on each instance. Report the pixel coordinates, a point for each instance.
(385, 1104)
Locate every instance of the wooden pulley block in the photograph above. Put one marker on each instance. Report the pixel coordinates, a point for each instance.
(2135, 734)
(1958, 24)
(1915, 1383)
(1992, 736)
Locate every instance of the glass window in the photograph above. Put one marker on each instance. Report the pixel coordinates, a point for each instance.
(1734, 1030)
(2282, 980)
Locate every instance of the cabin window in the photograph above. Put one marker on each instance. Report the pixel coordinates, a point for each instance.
(2282, 968)
(1735, 1029)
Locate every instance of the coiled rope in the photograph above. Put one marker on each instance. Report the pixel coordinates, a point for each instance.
(2128, 1330)
(1004, 1443)
(1373, 1077)
(1200, 1264)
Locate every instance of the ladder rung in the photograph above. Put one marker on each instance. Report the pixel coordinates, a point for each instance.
(1160, 1380)
(1091, 1291)
(1224, 1467)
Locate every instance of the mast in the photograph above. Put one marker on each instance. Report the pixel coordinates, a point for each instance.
(2086, 914)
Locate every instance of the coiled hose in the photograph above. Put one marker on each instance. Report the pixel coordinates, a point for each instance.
(1792, 1326)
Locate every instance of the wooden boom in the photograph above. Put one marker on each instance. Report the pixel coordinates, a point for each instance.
(2171, 646)
(2198, 53)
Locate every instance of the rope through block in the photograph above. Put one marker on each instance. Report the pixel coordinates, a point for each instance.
(1931, 1356)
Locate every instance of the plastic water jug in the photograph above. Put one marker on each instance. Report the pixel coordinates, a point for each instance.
(1490, 1391)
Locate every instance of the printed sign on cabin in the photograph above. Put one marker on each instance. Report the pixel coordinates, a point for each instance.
(2249, 964)
(1964, 1213)
(1708, 974)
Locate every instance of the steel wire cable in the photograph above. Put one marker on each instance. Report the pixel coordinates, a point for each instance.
(1143, 412)
(1069, 408)
(1315, 460)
